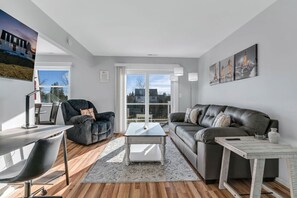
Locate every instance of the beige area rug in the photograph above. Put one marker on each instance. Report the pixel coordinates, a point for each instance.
(110, 167)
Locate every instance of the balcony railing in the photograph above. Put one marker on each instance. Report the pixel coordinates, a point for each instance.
(158, 112)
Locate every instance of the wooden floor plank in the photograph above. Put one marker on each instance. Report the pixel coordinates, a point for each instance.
(81, 158)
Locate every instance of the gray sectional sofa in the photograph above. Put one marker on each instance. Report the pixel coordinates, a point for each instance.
(196, 141)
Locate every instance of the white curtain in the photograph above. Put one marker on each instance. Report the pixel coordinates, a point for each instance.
(174, 96)
(120, 110)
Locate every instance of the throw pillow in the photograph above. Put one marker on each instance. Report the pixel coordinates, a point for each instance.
(193, 117)
(89, 112)
(188, 111)
(217, 117)
(223, 121)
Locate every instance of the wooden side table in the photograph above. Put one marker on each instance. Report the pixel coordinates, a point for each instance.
(257, 151)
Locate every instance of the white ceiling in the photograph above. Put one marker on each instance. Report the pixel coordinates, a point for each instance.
(46, 48)
(166, 28)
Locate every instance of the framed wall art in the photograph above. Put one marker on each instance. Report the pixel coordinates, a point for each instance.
(246, 63)
(227, 70)
(214, 74)
(104, 76)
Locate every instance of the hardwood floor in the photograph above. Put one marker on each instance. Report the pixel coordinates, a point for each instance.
(81, 158)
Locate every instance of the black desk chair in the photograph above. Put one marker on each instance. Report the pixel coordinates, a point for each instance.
(53, 116)
(40, 160)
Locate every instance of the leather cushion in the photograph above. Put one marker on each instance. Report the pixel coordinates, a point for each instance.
(250, 120)
(211, 114)
(186, 134)
(173, 125)
(202, 110)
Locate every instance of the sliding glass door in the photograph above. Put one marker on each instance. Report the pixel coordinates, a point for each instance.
(148, 96)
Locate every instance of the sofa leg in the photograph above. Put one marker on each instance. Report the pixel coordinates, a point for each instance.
(269, 179)
(211, 181)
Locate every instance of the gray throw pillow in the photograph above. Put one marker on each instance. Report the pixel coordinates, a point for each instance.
(187, 115)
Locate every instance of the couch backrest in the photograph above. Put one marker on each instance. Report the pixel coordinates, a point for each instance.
(72, 108)
(210, 115)
(202, 110)
(251, 121)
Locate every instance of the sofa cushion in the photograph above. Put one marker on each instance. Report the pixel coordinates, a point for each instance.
(186, 134)
(211, 114)
(202, 110)
(187, 115)
(192, 115)
(249, 120)
(222, 120)
(173, 125)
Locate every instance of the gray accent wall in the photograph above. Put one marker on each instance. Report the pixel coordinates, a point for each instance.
(274, 90)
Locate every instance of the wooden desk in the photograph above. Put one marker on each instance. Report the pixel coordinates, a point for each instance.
(16, 138)
(257, 151)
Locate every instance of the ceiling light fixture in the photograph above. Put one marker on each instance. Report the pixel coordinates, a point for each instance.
(152, 54)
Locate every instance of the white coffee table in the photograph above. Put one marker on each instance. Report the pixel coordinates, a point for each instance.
(136, 134)
(257, 151)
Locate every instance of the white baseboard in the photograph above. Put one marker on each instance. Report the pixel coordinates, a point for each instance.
(283, 182)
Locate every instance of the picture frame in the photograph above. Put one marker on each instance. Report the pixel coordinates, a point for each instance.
(214, 74)
(104, 76)
(227, 69)
(246, 63)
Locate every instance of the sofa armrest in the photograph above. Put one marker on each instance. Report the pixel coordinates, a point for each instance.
(107, 116)
(208, 135)
(80, 119)
(177, 117)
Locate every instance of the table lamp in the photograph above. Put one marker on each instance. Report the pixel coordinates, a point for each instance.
(27, 106)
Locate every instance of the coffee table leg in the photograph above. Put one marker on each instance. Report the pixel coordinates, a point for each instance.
(162, 148)
(224, 168)
(127, 152)
(257, 178)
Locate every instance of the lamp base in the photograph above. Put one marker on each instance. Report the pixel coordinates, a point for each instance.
(29, 126)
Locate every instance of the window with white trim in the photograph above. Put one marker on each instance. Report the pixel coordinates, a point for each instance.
(54, 85)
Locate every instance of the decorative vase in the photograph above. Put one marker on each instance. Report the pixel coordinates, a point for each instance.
(145, 126)
(273, 136)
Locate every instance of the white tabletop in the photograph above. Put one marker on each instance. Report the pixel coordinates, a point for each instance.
(16, 138)
(251, 148)
(137, 129)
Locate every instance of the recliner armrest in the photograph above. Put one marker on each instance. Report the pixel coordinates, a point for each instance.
(104, 116)
(208, 135)
(80, 119)
(177, 117)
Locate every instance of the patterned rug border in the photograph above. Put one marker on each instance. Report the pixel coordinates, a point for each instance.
(92, 175)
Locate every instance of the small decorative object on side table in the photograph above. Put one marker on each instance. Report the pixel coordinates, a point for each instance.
(273, 136)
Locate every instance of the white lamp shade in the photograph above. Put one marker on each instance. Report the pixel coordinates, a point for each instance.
(178, 71)
(173, 78)
(192, 76)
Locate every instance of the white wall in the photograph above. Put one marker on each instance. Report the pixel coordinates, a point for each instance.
(85, 79)
(274, 90)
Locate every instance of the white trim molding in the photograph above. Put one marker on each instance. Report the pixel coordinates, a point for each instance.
(140, 66)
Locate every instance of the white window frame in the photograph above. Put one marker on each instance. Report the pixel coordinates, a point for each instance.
(147, 73)
(53, 67)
